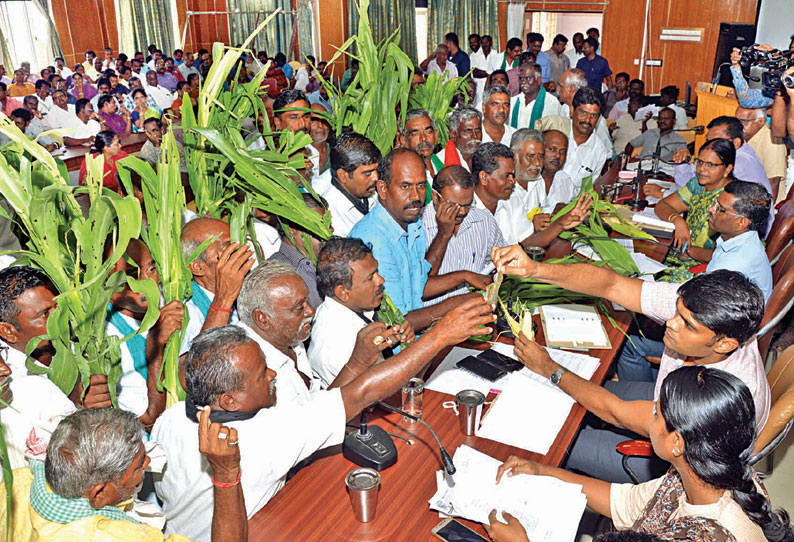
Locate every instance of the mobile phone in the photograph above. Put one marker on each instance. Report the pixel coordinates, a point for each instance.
(481, 368)
(452, 530)
(506, 363)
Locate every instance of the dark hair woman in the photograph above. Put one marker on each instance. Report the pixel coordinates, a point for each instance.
(108, 145)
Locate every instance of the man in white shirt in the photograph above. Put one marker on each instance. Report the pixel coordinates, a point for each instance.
(465, 135)
(82, 127)
(354, 175)
(481, 52)
(587, 153)
(36, 404)
(348, 279)
(218, 274)
(576, 53)
(141, 354)
(495, 108)
(439, 62)
(61, 68)
(419, 134)
(668, 98)
(162, 96)
(187, 67)
(228, 372)
(559, 186)
(497, 192)
(303, 76)
(534, 102)
(570, 83)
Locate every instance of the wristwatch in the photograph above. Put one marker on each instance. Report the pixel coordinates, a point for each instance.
(557, 375)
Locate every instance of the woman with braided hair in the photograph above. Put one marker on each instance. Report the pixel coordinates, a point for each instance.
(704, 425)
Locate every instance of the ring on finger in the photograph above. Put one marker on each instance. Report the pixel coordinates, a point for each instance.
(233, 443)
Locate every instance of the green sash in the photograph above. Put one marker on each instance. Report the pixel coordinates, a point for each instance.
(504, 62)
(537, 110)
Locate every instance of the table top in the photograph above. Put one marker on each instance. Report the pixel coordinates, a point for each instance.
(315, 500)
(73, 157)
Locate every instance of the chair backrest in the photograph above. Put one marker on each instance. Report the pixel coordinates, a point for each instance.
(783, 264)
(781, 384)
(778, 305)
(782, 231)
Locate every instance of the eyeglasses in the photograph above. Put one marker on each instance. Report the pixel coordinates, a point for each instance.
(720, 209)
(707, 165)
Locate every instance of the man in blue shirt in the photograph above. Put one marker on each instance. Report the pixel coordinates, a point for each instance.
(595, 66)
(397, 238)
(534, 45)
(739, 216)
(456, 56)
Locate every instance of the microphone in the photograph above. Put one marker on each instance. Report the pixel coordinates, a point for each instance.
(449, 466)
(696, 129)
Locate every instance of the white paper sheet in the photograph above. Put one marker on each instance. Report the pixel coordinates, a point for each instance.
(449, 379)
(550, 510)
(648, 217)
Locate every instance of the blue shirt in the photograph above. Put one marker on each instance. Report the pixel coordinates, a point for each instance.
(595, 70)
(400, 255)
(287, 70)
(545, 65)
(462, 62)
(745, 254)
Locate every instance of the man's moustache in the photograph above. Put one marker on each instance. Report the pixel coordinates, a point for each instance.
(413, 205)
(424, 145)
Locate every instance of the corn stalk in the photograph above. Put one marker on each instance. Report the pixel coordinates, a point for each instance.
(378, 92)
(69, 247)
(435, 97)
(164, 201)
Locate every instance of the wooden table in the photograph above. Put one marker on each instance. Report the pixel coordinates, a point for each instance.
(73, 157)
(314, 505)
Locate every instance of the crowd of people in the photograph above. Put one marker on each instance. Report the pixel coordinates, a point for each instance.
(277, 356)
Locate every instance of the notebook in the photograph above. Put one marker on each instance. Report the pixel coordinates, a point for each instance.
(573, 326)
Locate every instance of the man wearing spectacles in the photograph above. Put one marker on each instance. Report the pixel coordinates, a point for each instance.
(770, 150)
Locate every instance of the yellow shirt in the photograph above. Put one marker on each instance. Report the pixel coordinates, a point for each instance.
(770, 150)
(28, 525)
(16, 91)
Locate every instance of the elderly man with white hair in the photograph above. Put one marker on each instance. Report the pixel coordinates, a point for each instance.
(770, 150)
(95, 464)
(465, 136)
(228, 372)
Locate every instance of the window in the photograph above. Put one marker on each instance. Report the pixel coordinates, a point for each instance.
(16, 21)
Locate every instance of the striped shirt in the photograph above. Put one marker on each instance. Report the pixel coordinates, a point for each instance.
(469, 249)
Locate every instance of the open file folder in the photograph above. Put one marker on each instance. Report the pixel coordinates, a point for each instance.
(573, 326)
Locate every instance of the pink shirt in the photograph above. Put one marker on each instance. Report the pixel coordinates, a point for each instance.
(658, 302)
(10, 105)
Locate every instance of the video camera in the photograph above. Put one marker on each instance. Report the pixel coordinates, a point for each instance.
(774, 62)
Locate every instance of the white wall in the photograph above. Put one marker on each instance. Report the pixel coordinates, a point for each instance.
(776, 23)
(569, 24)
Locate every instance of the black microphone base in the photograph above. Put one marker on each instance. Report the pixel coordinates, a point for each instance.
(375, 450)
(638, 204)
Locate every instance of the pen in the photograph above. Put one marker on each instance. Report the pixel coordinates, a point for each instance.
(683, 250)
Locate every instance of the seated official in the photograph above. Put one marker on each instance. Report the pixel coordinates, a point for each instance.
(352, 290)
(694, 235)
(349, 184)
(419, 134)
(529, 149)
(142, 354)
(465, 135)
(398, 241)
(738, 216)
(218, 274)
(292, 249)
(228, 372)
(747, 165)
(626, 128)
(81, 127)
(459, 237)
(662, 138)
(161, 95)
(34, 404)
(559, 187)
(108, 146)
(711, 320)
(95, 464)
(704, 424)
(496, 191)
(22, 118)
(119, 121)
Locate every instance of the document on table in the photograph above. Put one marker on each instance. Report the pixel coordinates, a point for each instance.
(649, 218)
(588, 252)
(549, 510)
(530, 411)
(668, 187)
(449, 379)
(573, 326)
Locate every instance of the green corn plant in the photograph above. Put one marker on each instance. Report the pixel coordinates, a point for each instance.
(435, 97)
(164, 201)
(376, 101)
(68, 245)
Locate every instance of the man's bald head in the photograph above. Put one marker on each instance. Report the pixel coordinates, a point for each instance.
(198, 230)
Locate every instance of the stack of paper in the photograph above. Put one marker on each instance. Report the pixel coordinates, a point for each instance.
(573, 326)
(549, 510)
(447, 378)
(668, 187)
(530, 411)
(649, 218)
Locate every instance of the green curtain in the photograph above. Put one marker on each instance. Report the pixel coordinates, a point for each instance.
(146, 22)
(305, 42)
(385, 16)
(463, 17)
(55, 43)
(277, 36)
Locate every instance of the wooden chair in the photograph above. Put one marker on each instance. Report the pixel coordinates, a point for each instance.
(781, 233)
(780, 302)
(781, 413)
(784, 262)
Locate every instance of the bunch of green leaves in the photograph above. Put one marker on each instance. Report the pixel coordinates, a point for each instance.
(68, 245)
(378, 92)
(435, 97)
(164, 201)
(389, 314)
(219, 108)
